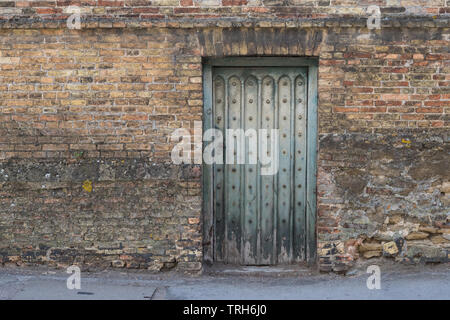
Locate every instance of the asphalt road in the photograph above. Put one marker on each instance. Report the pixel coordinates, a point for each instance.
(25, 283)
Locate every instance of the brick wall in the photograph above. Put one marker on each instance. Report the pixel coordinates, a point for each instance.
(86, 175)
(220, 8)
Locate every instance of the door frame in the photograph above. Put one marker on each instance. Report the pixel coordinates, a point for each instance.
(312, 142)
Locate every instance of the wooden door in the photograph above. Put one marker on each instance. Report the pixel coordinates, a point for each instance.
(260, 219)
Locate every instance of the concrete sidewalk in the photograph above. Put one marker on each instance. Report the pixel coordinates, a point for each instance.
(26, 283)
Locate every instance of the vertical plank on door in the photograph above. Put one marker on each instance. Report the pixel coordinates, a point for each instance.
(232, 174)
(250, 218)
(219, 124)
(267, 122)
(284, 171)
(299, 232)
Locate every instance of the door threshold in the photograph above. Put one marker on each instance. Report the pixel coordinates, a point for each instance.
(292, 270)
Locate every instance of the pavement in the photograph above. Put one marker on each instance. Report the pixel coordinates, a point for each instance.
(425, 283)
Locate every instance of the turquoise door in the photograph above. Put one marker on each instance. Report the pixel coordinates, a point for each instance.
(260, 218)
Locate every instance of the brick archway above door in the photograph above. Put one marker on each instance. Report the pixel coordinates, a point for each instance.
(223, 42)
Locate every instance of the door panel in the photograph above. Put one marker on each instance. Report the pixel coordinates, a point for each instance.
(250, 175)
(267, 186)
(218, 172)
(232, 173)
(260, 219)
(299, 204)
(283, 240)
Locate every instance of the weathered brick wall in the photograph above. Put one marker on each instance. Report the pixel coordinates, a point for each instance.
(86, 115)
(220, 8)
(86, 170)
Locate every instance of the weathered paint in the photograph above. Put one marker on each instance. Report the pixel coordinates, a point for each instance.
(261, 219)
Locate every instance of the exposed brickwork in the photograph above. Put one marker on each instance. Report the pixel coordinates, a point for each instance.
(94, 108)
(221, 8)
(136, 214)
(381, 190)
